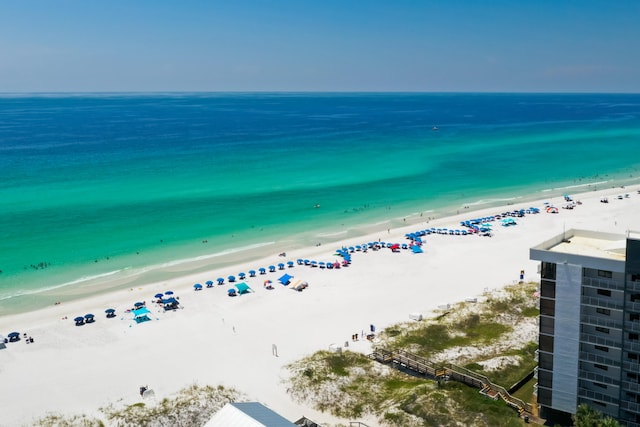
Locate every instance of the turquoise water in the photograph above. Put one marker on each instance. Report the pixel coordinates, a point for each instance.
(119, 185)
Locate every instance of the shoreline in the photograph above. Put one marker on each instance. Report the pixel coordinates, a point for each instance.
(215, 339)
(263, 252)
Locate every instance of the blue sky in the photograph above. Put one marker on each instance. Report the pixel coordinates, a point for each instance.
(298, 45)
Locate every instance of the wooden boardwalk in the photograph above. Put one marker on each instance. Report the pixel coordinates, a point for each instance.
(405, 361)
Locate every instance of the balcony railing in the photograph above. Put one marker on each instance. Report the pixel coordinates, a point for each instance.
(603, 283)
(602, 303)
(592, 376)
(590, 357)
(600, 321)
(594, 339)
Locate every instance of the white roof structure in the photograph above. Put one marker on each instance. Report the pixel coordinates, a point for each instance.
(247, 414)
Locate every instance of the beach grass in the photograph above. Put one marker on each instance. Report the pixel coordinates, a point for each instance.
(191, 406)
(351, 385)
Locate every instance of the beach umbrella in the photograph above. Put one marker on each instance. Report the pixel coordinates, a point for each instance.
(290, 264)
(252, 273)
(262, 270)
(138, 304)
(15, 336)
(209, 283)
(79, 319)
(281, 266)
(232, 278)
(110, 310)
(330, 265)
(169, 293)
(300, 261)
(197, 286)
(242, 275)
(272, 268)
(220, 280)
(307, 262)
(89, 316)
(156, 296)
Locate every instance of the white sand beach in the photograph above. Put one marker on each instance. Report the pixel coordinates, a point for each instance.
(215, 339)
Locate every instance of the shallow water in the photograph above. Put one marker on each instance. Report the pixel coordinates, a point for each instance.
(100, 187)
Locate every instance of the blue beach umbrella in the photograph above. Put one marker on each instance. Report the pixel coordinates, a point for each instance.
(300, 261)
(220, 280)
(281, 266)
(169, 293)
(209, 283)
(290, 264)
(252, 273)
(231, 278)
(197, 286)
(242, 276)
(272, 268)
(158, 296)
(138, 304)
(262, 270)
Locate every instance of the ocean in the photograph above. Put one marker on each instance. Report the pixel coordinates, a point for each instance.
(110, 190)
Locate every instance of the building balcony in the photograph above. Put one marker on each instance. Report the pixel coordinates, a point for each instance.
(632, 346)
(602, 302)
(632, 326)
(592, 376)
(590, 357)
(600, 283)
(631, 367)
(594, 395)
(633, 286)
(601, 321)
(594, 339)
(631, 386)
(630, 406)
(632, 306)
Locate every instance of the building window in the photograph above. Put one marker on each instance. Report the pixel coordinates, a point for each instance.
(547, 289)
(545, 361)
(603, 330)
(545, 343)
(635, 277)
(547, 307)
(548, 271)
(544, 396)
(545, 379)
(600, 385)
(635, 297)
(599, 366)
(634, 316)
(632, 356)
(602, 348)
(599, 403)
(604, 311)
(605, 274)
(633, 336)
(546, 325)
(604, 292)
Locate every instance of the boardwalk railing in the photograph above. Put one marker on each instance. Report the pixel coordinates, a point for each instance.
(403, 360)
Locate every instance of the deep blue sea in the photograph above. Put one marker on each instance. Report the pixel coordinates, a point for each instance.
(123, 185)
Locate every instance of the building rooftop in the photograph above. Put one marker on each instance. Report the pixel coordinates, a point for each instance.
(593, 246)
